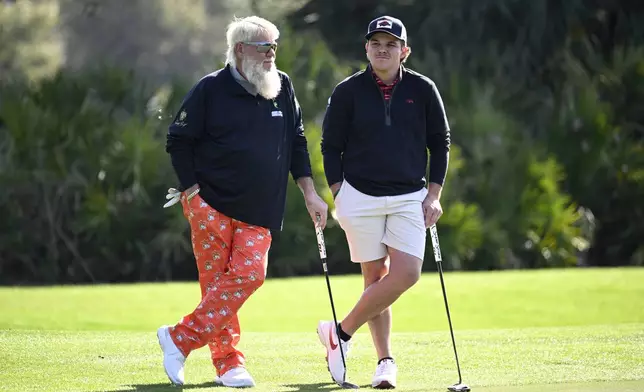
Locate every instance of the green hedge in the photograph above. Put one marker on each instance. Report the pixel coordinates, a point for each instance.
(85, 176)
(84, 172)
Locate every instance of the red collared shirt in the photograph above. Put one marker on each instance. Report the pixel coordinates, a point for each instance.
(386, 89)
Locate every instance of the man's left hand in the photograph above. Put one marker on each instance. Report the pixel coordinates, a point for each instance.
(432, 209)
(316, 206)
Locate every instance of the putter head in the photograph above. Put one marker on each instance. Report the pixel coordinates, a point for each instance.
(348, 385)
(458, 388)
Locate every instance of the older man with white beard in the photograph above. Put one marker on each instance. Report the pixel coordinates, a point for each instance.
(233, 143)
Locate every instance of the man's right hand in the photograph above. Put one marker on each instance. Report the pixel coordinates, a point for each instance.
(335, 188)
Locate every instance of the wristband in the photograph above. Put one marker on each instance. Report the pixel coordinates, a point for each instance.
(194, 193)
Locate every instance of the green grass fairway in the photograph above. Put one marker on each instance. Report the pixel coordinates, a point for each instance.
(548, 330)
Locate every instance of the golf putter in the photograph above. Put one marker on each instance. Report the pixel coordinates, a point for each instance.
(458, 387)
(322, 249)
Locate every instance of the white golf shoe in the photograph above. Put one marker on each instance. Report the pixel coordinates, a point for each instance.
(328, 334)
(173, 359)
(385, 375)
(236, 378)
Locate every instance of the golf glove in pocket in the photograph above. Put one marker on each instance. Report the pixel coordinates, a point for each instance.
(173, 196)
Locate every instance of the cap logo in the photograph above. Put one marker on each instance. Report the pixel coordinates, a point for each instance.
(383, 24)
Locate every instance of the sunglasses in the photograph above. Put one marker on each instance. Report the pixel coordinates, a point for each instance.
(263, 47)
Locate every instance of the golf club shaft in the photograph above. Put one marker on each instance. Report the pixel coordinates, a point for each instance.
(322, 249)
(449, 319)
(438, 257)
(328, 285)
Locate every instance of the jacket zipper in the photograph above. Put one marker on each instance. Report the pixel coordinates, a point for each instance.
(387, 103)
(279, 145)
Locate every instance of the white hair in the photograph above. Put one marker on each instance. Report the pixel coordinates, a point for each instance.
(247, 29)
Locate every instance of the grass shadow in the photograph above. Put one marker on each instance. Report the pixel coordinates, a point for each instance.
(322, 386)
(164, 387)
(167, 387)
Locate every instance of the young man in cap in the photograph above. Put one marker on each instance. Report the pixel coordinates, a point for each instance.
(377, 129)
(233, 143)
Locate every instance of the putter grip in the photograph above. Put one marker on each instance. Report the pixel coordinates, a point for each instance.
(320, 237)
(435, 245)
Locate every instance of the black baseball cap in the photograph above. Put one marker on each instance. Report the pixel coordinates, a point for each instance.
(389, 25)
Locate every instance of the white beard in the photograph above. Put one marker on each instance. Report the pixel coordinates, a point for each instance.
(268, 83)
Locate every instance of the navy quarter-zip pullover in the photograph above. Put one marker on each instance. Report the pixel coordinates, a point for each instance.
(380, 146)
(239, 147)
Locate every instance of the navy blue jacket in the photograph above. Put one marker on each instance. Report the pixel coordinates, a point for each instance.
(380, 147)
(239, 148)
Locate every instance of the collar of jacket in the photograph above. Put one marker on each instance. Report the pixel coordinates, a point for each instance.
(232, 85)
(369, 70)
(248, 86)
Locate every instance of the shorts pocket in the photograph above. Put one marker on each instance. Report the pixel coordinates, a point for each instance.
(423, 193)
(340, 191)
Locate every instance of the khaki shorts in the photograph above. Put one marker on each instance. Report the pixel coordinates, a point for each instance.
(373, 223)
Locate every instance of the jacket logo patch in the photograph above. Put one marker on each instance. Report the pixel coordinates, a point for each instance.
(181, 119)
(410, 100)
(276, 113)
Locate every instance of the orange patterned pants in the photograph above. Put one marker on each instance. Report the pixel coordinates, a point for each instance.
(231, 259)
